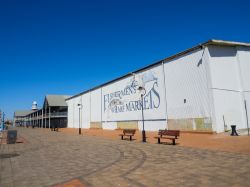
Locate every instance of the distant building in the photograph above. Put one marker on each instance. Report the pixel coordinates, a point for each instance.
(204, 88)
(52, 114)
(20, 117)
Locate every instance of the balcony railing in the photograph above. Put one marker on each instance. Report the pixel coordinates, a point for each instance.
(58, 114)
(52, 114)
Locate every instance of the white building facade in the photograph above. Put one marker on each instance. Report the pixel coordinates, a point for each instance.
(205, 88)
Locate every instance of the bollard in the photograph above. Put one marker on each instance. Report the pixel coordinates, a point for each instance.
(234, 133)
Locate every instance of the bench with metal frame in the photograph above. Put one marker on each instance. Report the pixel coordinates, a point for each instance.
(128, 132)
(168, 134)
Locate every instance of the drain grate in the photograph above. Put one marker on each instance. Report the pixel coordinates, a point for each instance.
(8, 155)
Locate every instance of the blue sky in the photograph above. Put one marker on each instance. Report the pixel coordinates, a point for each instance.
(65, 47)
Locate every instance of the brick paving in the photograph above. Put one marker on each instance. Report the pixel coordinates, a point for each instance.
(55, 159)
(217, 142)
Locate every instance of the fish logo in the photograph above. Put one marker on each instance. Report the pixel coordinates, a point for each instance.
(148, 77)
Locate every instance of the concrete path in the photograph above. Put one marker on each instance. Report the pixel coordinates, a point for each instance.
(54, 158)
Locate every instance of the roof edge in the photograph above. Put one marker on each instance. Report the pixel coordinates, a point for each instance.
(228, 43)
(199, 46)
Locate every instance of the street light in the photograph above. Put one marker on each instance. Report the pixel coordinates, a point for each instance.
(80, 130)
(3, 121)
(142, 90)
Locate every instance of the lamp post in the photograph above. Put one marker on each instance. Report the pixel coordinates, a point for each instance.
(143, 92)
(80, 130)
(3, 121)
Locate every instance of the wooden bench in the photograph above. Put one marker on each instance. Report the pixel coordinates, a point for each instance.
(168, 134)
(128, 132)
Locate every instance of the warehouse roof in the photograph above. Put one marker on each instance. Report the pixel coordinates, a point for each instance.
(56, 100)
(22, 113)
(200, 46)
(226, 43)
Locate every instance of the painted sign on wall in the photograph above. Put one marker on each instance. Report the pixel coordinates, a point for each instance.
(123, 98)
(127, 99)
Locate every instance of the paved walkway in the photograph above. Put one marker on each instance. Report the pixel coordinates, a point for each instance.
(51, 158)
(216, 142)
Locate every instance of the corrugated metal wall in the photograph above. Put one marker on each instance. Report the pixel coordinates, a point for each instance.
(183, 79)
(187, 93)
(228, 68)
(192, 92)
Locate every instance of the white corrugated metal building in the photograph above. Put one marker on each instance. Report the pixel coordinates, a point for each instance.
(204, 88)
